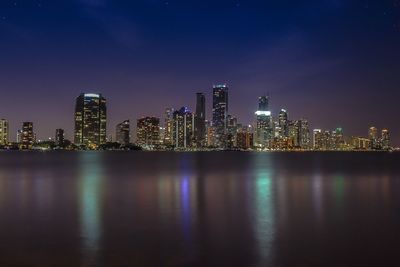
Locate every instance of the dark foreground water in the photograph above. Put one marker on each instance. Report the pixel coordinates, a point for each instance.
(199, 209)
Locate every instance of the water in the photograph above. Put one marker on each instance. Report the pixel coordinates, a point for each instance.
(199, 209)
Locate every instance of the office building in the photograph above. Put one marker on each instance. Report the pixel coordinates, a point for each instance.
(283, 123)
(4, 132)
(148, 132)
(168, 126)
(183, 128)
(27, 135)
(90, 120)
(231, 130)
(220, 113)
(318, 140)
(123, 133)
(373, 137)
(200, 120)
(304, 134)
(60, 137)
(385, 139)
(244, 137)
(264, 132)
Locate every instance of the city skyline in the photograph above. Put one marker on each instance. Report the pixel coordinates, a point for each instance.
(186, 129)
(331, 62)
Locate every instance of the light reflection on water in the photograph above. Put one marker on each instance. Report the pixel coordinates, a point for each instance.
(91, 188)
(198, 209)
(264, 207)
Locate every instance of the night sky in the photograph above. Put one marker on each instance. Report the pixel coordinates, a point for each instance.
(334, 62)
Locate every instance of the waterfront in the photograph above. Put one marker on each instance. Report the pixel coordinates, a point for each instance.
(199, 209)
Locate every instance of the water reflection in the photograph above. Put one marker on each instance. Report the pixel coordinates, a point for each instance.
(264, 207)
(90, 188)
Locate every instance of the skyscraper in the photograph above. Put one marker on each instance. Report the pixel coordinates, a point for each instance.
(244, 137)
(4, 132)
(168, 125)
(232, 128)
(317, 139)
(304, 134)
(373, 137)
(122, 133)
(148, 131)
(27, 135)
(200, 120)
(90, 120)
(264, 128)
(220, 112)
(59, 140)
(283, 123)
(183, 128)
(385, 139)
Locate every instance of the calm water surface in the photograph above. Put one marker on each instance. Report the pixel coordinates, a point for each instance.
(199, 209)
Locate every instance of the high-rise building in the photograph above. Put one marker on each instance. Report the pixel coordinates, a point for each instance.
(264, 132)
(4, 132)
(27, 135)
(304, 134)
(385, 139)
(293, 129)
(59, 138)
(317, 139)
(183, 128)
(232, 127)
(148, 131)
(220, 113)
(283, 123)
(338, 139)
(168, 125)
(244, 137)
(90, 120)
(373, 137)
(123, 133)
(200, 120)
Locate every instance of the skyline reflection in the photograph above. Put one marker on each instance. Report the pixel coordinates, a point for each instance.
(197, 209)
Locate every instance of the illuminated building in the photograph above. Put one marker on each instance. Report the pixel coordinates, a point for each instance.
(220, 113)
(318, 140)
(264, 125)
(338, 139)
(200, 120)
(244, 137)
(293, 129)
(123, 133)
(90, 120)
(168, 125)
(231, 131)
(60, 138)
(183, 128)
(304, 134)
(373, 137)
(210, 136)
(360, 143)
(385, 139)
(4, 132)
(27, 135)
(148, 131)
(283, 123)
